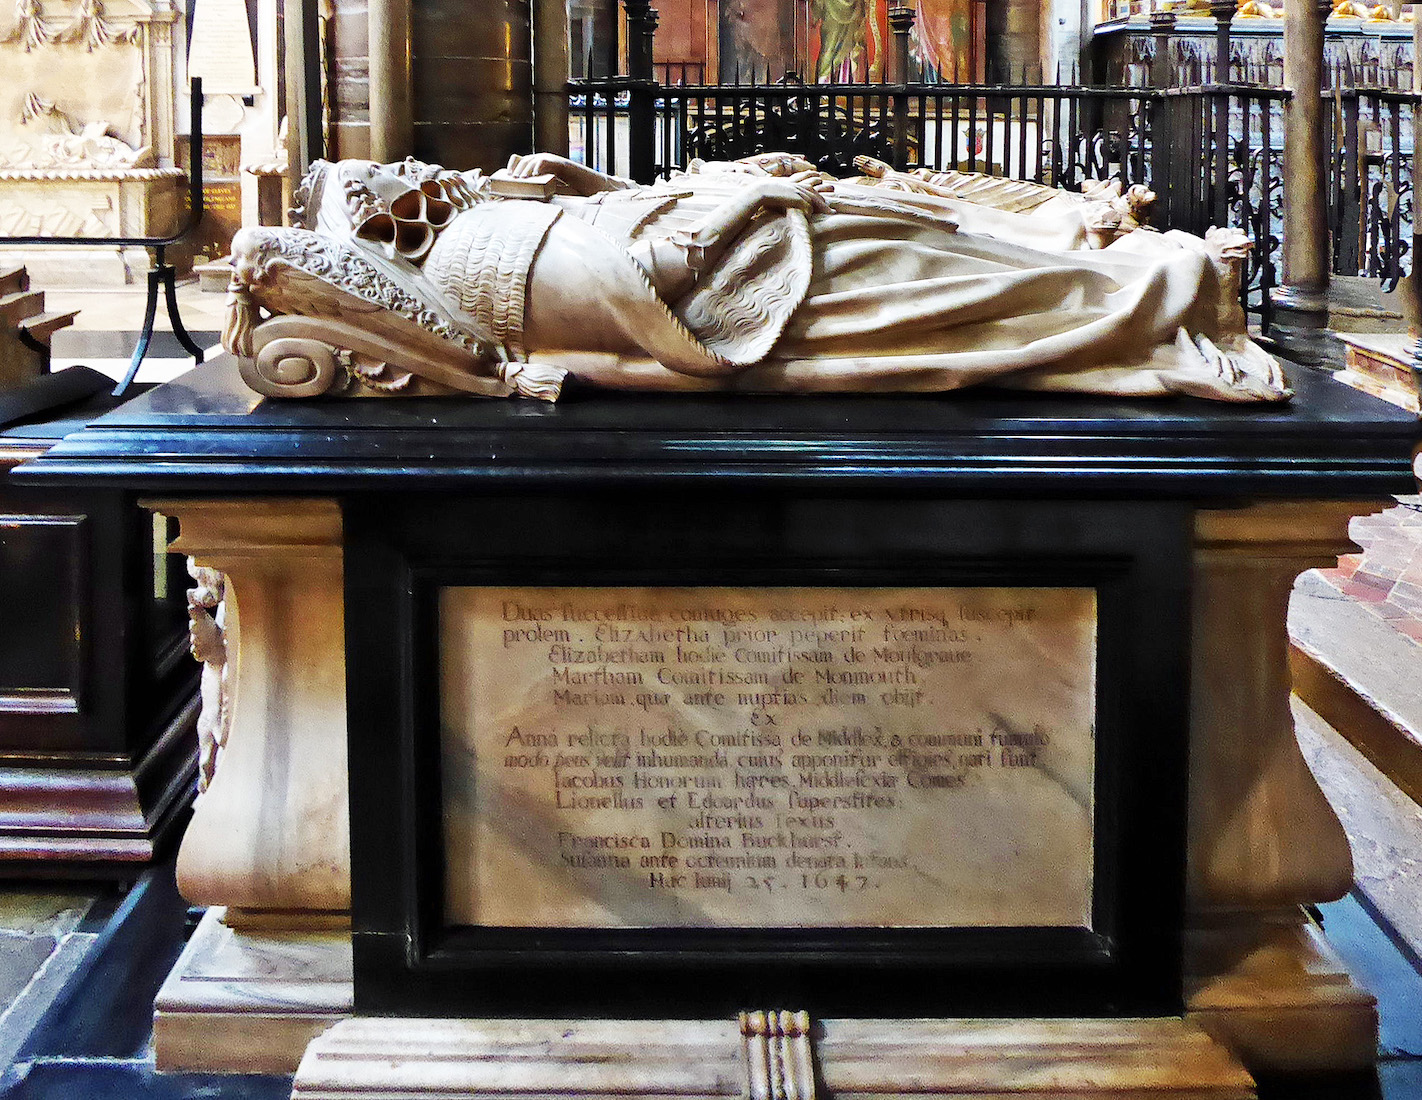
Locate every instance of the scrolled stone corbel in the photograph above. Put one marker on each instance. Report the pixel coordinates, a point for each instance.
(291, 367)
(294, 356)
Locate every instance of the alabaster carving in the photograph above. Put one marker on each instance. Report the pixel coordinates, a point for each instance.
(89, 26)
(207, 639)
(86, 133)
(761, 275)
(72, 64)
(31, 29)
(48, 138)
(1347, 9)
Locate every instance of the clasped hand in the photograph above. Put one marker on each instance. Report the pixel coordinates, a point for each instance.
(803, 191)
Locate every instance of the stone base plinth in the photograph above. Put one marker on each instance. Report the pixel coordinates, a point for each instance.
(1275, 992)
(1272, 993)
(250, 1001)
(1167, 1059)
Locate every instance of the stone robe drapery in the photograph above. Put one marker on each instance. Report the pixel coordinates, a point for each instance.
(896, 296)
(877, 290)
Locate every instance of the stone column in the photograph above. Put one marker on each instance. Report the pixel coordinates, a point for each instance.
(297, 106)
(1301, 302)
(472, 75)
(350, 80)
(392, 121)
(1014, 40)
(550, 76)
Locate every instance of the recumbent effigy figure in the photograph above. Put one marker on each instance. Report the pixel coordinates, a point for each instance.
(756, 276)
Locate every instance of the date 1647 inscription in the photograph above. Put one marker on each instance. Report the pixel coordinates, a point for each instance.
(772, 757)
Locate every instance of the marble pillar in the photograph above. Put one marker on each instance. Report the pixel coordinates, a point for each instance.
(1301, 302)
(391, 119)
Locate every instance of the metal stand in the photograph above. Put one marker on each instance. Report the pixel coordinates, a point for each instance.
(165, 275)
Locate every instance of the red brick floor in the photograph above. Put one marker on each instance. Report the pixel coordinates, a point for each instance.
(1386, 577)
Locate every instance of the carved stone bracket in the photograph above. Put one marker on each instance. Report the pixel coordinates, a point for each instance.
(270, 833)
(779, 1062)
(1262, 834)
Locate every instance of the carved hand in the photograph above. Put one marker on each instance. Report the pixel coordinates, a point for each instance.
(790, 194)
(815, 180)
(582, 179)
(776, 164)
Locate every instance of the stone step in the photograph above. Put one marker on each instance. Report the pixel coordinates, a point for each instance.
(1356, 663)
(42, 326)
(15, 307)
(13, 278)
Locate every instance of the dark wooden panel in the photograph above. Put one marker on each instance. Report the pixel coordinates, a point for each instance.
(43, 629)
(97, 711)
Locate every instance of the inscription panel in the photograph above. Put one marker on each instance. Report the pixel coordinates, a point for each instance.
(769, 757)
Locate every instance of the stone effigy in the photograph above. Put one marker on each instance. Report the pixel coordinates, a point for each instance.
(753, 276)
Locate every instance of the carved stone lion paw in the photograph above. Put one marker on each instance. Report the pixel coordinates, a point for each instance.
(1227, 245)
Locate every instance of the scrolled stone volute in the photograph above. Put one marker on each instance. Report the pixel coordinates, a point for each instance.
(291, 367)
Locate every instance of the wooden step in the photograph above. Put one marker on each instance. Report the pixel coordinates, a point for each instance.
(44, 325)
(13, 278)
(15, 307)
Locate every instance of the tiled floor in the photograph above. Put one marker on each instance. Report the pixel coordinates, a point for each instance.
(1386, 577)
(94, 1039)
(105, 332)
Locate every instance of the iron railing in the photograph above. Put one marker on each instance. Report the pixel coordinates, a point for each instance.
(1371, 181)
(1213, 154)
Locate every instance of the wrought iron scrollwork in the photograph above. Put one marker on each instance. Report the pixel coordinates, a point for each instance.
(1256, 205)
(1388, 219)
(827, 133)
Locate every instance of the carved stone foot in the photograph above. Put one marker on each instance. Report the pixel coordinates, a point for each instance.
(1271, 989)
(249, 1001)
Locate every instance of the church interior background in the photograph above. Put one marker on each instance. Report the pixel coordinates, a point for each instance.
(1291, 120)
